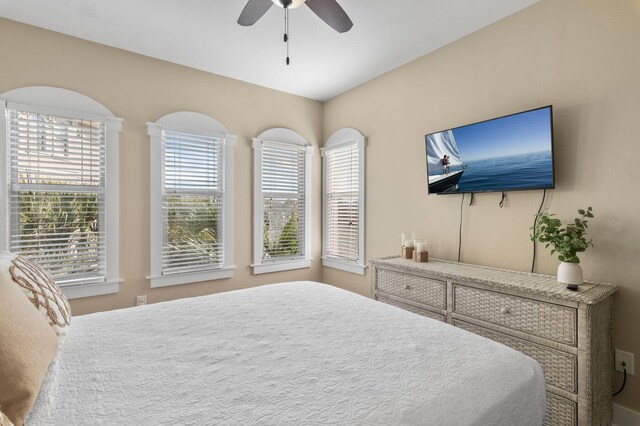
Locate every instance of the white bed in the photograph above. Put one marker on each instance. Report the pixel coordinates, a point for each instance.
(287, 354)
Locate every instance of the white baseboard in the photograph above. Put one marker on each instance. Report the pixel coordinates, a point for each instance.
(624, 417)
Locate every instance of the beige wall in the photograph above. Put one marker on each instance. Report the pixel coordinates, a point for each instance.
(140, 89)
(582, 56)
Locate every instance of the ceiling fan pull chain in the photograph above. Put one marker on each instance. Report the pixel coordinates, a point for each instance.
(286, 31)
(286, 36)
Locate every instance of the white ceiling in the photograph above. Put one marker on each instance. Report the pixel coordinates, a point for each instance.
(203, 34)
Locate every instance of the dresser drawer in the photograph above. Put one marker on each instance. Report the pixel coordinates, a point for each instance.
(560, 368)
(412, 287)
(413, 309)
(560, 411)
(553, 322)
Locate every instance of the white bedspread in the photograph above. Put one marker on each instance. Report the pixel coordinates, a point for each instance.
(296, 353)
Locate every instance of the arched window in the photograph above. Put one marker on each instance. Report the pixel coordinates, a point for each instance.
(282, 201)
(343, 201)
(59, 191)
(191, 199)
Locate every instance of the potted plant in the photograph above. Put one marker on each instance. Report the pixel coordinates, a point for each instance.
(567, 240)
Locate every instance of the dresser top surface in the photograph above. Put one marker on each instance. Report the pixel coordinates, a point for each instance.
(546, 285)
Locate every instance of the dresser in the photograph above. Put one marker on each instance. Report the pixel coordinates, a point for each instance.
(567, 332)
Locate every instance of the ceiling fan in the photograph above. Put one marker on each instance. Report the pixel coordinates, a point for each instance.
(327, 10)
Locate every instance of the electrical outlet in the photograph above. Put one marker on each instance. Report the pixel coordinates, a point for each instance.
(627, 357)
(141, 300)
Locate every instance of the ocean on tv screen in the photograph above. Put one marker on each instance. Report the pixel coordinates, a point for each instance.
(519, 171)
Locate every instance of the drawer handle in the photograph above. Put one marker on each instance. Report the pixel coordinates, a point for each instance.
(505, 310)
(407, 287)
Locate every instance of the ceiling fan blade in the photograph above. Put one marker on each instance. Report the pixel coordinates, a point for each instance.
(331, 13)
(254, 11)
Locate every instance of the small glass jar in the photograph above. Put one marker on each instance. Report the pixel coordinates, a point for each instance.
(408, 239)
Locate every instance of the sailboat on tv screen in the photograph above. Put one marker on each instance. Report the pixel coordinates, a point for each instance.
(443, 177)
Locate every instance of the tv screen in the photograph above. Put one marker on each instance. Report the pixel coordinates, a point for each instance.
(510, 153)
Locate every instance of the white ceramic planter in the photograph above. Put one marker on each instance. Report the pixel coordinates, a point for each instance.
(570, 274)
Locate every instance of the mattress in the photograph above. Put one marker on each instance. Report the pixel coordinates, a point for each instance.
(284, 354)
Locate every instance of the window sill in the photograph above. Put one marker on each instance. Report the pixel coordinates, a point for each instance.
(76, 291)
(354, 268)
(190, 278)
(265, 268)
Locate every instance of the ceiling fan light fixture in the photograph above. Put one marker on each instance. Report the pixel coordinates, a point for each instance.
(294, 3)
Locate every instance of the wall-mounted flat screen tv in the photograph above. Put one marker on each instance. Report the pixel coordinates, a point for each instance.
(510, 153)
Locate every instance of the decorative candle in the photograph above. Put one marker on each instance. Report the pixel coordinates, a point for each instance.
(421, 246)
(407, 239)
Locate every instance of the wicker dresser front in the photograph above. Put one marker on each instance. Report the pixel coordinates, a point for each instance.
(568, 333)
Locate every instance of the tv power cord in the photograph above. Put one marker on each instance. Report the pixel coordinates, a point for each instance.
(624, 378)
(535, 222)
(460, 229)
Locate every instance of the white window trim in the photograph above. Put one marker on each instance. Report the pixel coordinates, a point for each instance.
(288, 137)
(339, 139)
(200, 124)
(67, 103)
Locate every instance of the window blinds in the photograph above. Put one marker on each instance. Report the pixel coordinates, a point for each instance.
(57, 193)
(192, 202)
(283, 201)
(342, 197)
